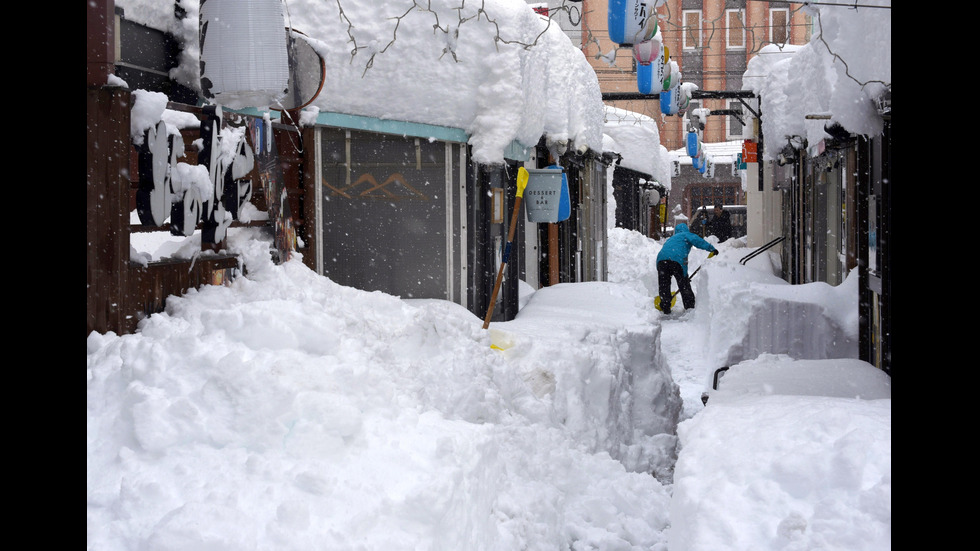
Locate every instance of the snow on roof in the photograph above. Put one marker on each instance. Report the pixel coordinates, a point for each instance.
(723, 153)
(636, 138)
(495, 69)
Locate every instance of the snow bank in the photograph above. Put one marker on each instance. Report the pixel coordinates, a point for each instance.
(787, 454)
(753, 312)
(593, 349)
(632, 258)
(284, 411)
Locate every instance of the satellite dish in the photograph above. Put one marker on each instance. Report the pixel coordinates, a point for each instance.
(307, 73)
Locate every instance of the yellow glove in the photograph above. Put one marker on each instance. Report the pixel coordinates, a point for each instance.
(713, 253)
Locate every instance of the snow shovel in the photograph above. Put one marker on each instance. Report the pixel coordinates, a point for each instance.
(522, 176)
(673, 296)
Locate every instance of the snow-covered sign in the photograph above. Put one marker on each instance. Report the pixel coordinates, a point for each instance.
(213, 191)
(307, 71)
(632, 21)
(228, 159)
(157, 155)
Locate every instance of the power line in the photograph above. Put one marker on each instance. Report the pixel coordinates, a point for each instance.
(834, 4)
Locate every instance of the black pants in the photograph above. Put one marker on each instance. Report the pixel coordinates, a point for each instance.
(665, 270)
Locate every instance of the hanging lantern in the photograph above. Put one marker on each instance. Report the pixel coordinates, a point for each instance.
(649, 76)
(647, 51)
(652, 196)
(632, 21)
(645, 82)
(244, 62)
(707, 168)
(650, 29)
(670, 101)
(693, 144)
(672, 73)
(685, 91)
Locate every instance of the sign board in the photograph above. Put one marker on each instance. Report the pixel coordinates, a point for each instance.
(546, 191)
(307, 73)
(750, 151)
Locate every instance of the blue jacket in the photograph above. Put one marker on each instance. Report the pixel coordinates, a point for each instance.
(678, 246)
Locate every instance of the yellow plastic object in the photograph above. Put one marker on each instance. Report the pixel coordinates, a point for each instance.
(673, 301)
(500, 340)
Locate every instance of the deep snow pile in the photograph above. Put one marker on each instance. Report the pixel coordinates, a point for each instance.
(788, 454)
(751, 315)
(285, 411)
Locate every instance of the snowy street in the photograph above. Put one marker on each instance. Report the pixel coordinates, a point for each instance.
(285, 411)
(292, 229)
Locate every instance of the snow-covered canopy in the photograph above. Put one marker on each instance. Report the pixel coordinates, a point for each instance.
(493, 68)
(636, 138)
(839, 76)
(719, 152)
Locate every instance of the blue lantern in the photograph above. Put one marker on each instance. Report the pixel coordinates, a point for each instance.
(668, 101)
(645, 81)
(693, 145)
(629, 21)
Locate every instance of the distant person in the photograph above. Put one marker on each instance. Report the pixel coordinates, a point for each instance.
(720, 224)
(672, 262)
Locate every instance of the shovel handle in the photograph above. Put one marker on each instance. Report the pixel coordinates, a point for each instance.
(522, 176)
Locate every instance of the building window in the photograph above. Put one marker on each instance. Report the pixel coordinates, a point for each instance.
(779, 25)
(734, 30)
(733, 128)
(692, 30)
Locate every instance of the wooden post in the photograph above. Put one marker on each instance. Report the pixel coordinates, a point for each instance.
(107, 208)
(553, 254)
(101, 41)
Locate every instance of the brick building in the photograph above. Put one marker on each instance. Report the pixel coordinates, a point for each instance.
(712, 42)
